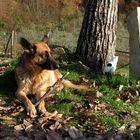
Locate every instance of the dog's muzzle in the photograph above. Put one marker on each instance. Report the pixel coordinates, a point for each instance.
(50, 64)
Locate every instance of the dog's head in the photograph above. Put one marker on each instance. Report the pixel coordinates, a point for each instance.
(40, 54)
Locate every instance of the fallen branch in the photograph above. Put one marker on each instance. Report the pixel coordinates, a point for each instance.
(50, 89)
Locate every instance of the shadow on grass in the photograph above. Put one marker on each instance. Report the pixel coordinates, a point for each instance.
(8, 85)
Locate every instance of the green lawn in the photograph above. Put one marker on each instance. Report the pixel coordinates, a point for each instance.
(117, 104)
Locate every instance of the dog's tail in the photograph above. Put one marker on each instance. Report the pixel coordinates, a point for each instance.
(69, 84)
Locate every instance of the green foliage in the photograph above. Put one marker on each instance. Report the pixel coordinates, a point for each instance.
(136, 106)
(62, 97)
(64, 108)
(112, 80)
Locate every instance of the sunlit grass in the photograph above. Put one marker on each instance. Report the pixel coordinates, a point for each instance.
(81, 104)
(108, 121)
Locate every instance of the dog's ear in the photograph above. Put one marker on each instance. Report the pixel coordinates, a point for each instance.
(27, 46)
(45, 39)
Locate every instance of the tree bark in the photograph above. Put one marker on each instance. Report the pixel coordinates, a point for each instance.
(97, 39)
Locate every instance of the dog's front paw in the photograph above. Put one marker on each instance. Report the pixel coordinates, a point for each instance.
(31, 111)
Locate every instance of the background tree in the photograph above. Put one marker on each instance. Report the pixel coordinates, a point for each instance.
(97, 39)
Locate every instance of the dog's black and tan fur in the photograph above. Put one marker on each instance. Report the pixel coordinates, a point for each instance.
(36, 72)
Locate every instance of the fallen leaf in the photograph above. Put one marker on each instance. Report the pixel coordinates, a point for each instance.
(19, 127)
(55, 126)
(121, 87)
(6, 118)
(133, 127)
(93, 84)
(138, 83)
(82, 79)
(28, 128)
(121, 129)
(2, 102)
(98, 94)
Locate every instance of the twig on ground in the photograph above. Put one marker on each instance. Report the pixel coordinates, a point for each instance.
(85, 67)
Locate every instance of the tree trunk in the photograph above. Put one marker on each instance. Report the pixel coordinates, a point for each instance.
(97, 39)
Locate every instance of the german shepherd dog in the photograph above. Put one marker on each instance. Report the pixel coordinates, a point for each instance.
(36, 71)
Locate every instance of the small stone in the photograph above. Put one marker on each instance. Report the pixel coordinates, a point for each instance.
(54, 136)
(97, 137)
(82, 138)
(121, 137)
(39, 135)
(9, 138)
(67, 138)
(75, 133)
(22, 138)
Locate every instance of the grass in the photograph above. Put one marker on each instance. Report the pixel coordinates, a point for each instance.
(108, 85)
(109, 111)
(109, 121)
